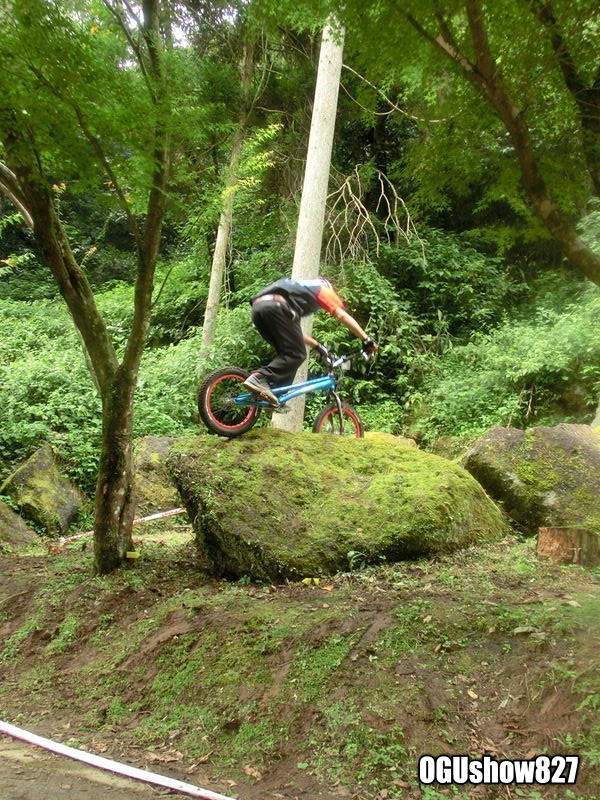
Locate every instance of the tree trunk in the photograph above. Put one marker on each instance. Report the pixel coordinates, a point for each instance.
(219, 259)
(569, 546)
(486, 75)
(586, 96)
(115, 505)
(309, 235)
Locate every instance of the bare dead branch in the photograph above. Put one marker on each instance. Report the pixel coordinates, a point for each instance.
(393, 106)
(353, 230)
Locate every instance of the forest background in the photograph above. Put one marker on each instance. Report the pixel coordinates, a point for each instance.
(434, 233)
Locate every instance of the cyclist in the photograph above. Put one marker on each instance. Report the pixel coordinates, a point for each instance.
(276, 313)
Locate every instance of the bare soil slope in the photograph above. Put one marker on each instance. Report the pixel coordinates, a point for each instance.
(321, 690)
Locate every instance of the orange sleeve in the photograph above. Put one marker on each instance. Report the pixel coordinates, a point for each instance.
(329, 300)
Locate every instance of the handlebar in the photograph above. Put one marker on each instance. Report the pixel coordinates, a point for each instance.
(340, 361)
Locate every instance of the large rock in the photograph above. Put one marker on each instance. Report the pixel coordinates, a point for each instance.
(154, 488)
(13, 531)
(542, 476)
(275, 505)
(41, 492)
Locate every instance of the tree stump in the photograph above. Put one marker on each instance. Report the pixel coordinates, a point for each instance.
(569, 546)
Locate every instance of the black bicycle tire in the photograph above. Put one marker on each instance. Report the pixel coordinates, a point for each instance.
(332, 407)
(203, 398)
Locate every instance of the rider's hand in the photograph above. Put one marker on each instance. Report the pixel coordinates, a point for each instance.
(369, 347)
(321, 352)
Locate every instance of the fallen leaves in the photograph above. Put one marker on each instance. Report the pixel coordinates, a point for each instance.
(253, 772)
(168, 757)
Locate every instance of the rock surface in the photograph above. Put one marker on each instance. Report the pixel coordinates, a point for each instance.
(13, 531)
(274, 505)
(41, 492)
(154, 488)
(541, 476)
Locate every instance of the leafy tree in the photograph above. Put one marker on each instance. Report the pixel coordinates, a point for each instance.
(516, 112)
(64, 119)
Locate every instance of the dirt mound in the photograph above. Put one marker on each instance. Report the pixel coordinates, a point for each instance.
(542, 476)
(324, 690)
(275, 506)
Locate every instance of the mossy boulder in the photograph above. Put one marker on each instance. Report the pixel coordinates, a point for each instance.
(154, 488)
(541, 476)
(13, 531)
(274, 505)
(42, 493)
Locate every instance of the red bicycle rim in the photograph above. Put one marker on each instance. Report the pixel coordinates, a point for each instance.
(246, 419)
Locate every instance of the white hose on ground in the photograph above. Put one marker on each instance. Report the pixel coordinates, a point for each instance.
(159, 515)
(108, 764)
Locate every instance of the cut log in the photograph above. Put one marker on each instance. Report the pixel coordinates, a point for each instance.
(569, 546)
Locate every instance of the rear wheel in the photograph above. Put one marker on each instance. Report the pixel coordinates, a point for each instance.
(216, 405)
(328, 421)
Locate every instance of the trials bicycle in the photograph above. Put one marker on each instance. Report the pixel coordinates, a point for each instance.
(229, 412)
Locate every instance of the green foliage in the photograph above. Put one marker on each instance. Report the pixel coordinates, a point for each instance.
(540, 369)
(448, 282)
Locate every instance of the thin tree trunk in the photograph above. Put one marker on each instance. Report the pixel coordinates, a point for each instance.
(586, 97)
(115, 506)
(219, 259)
(114, 488)
(309, 234)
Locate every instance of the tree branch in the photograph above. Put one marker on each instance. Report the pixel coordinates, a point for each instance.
(10, 186)
(24, 161)
(97, 147)
(133, 44)
(486, 75)
(156, 201)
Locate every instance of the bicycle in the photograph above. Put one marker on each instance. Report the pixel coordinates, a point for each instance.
(227, 412)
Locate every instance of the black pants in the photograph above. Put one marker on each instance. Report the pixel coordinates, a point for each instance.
(280, 327)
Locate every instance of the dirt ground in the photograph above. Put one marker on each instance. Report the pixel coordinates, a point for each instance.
(28, 773)
(325, 689)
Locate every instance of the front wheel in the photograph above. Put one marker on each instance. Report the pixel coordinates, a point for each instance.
(328, 421)
(216, 405)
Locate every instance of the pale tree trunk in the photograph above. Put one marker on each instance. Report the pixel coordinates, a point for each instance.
(309, 234)
(219, 259)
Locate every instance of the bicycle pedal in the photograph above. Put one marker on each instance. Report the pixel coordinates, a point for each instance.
(281, 409)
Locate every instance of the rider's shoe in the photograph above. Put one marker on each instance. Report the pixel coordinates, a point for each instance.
(260, 387)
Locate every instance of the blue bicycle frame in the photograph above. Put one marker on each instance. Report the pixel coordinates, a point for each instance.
(286, 393)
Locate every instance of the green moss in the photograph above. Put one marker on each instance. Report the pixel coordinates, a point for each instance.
(313, 668)
(274, 505)
(543, 476)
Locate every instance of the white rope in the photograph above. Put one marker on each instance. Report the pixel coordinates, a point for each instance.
(158, 515)
(108, 764)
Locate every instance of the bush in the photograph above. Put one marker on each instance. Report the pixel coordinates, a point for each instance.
(538, 370)
(443, 277)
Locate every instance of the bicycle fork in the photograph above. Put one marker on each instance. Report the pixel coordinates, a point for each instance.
(338, 403)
